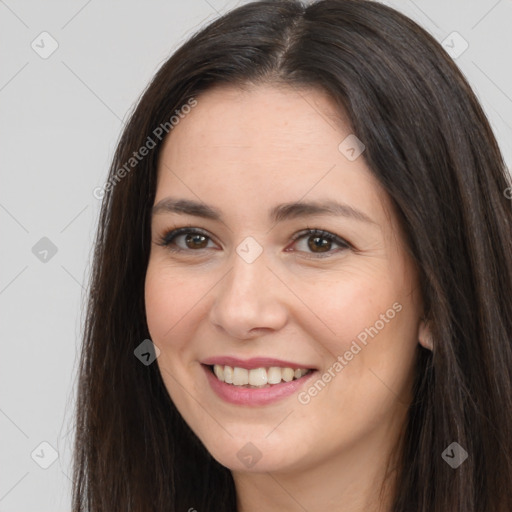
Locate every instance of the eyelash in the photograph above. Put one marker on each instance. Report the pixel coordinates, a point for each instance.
(169, 236)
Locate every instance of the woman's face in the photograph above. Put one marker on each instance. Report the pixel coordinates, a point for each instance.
(251, 289)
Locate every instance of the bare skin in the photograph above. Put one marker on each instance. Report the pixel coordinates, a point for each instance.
(243, 153)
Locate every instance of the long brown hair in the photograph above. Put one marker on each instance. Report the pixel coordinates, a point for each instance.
(430, 145)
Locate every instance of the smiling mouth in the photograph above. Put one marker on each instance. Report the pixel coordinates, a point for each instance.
(256, 378)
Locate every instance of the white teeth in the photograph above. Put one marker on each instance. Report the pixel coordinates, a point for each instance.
(287, 374)
(274, 375)
(257, 377)
(228, 374)
(240, 376)
(219, 371)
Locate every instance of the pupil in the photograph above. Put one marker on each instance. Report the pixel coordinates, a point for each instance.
(195, 240)
(317, 244)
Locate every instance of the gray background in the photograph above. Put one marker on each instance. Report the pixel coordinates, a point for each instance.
(60, 120)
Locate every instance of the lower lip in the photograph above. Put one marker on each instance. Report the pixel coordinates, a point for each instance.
(254, 396)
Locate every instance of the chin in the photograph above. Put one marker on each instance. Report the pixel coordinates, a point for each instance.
(256, 454)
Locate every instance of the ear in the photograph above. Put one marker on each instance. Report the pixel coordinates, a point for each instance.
(425, 336)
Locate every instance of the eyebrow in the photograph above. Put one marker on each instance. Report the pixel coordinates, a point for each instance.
(279, 213)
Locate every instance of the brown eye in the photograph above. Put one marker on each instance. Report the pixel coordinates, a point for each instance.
(184, 239)
(196, 241)
(319, 242)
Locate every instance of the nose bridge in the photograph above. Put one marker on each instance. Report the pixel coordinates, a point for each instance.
(249, 297)
(248, 282)
(246, 273)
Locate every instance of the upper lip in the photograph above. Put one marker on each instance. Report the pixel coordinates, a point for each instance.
(254, 362)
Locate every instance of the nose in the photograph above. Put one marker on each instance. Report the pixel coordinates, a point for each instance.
(249, 301)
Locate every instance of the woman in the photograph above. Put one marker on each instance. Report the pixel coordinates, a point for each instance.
(301, 288)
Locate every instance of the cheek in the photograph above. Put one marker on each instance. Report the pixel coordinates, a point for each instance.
(161, 308)
(171, 303)
(350, 303)
(372, 319)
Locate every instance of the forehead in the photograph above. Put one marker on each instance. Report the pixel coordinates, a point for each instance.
(275, 144)
(282, 119)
